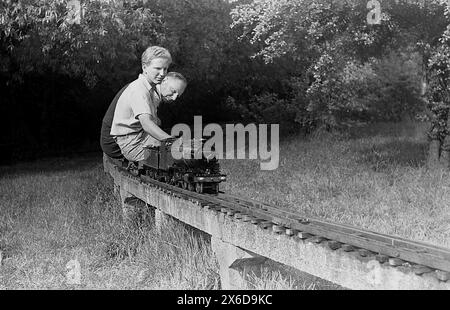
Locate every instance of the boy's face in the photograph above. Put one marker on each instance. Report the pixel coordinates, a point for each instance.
(156, 70)
(172, 88)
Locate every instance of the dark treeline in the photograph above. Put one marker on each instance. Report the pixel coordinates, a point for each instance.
(58, 79)
(303, 64)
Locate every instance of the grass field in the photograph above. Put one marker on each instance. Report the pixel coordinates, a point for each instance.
(59, 210)
(55, 211)
(372, 178)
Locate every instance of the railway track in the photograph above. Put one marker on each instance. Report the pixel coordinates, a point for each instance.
(421, 258)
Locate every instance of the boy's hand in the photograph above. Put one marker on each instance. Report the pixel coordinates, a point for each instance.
(169, 141)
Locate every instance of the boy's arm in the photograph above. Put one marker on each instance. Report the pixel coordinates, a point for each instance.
(151, 128)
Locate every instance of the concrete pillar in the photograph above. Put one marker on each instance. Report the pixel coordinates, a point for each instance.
(160, 219)
(235, 264)
(129, 211)
(117, 190)
(132, 209)
(123, 197)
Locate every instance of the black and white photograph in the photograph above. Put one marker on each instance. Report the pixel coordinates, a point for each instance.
(223, 152)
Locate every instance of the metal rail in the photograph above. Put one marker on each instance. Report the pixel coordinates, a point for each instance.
(393, 246)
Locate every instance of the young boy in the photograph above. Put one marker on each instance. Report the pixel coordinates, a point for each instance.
(135, 124)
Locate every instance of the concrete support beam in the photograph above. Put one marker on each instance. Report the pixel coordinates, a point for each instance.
(117, 190)
(133, 208)
(235, 264)
(127, 208)
(160, 220)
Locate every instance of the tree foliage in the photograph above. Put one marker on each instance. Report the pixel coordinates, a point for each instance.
(300, 63)
(355, 71)
(93, 57)
(40, 36)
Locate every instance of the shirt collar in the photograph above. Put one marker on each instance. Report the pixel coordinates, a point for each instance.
(155, 89)
(158, 90)
(144, 81)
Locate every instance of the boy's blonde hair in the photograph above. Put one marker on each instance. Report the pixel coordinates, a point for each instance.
(154, 52)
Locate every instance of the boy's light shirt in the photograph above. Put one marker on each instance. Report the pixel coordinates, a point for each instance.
(138, 98)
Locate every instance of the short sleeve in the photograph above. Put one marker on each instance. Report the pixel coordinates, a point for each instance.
(140, 103)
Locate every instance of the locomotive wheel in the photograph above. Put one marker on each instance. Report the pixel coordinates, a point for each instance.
(199, 187)
(191, 187)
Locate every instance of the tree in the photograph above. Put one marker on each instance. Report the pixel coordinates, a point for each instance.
(39, 35)
(51, 61)
(438, 100)
(346, 80)
(46, 55)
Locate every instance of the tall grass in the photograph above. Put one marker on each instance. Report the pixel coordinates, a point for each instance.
(50, 217)
(373, 177)
(56, 211)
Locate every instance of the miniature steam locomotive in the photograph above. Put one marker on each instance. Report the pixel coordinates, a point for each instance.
(197, 170)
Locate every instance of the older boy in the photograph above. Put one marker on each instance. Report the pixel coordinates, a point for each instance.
(135, 122)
